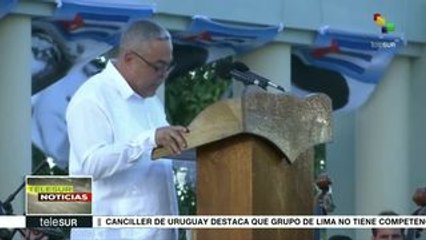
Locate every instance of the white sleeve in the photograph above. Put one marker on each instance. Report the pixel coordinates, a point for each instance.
(93, 149)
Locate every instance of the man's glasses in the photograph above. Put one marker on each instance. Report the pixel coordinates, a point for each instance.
(164, 68)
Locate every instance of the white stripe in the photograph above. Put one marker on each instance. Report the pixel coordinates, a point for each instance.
(12, 221)
(354, 60)
(97, 29)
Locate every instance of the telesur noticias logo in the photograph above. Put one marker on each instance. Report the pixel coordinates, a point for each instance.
(59, 193)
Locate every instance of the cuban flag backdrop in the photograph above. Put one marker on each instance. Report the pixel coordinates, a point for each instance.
(346, 66)
(221, 40)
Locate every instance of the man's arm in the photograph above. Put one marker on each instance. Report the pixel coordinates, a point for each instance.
(94, 151)
(93, 147)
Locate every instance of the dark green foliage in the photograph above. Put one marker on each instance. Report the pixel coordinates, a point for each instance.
(188, 95)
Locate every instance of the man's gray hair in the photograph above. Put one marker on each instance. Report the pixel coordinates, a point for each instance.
(142, 31)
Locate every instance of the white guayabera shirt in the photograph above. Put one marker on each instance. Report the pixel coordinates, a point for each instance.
(112, 133)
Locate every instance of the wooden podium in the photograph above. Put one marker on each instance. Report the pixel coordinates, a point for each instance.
(255, 157)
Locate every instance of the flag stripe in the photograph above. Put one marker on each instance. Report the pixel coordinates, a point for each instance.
(109, 10)
(363, 56)
(355, 44)
(99, 25)
(105, 18)
(357, 61)
(343, 64)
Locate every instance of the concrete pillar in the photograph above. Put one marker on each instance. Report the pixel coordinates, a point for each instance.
(417, 124)
(340, 167)
(15, 105)
(272, 62)
(382, 151)
(417, 128)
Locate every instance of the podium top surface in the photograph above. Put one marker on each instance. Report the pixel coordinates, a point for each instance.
(292, 124)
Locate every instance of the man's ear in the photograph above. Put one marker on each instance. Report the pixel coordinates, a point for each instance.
(127, 57)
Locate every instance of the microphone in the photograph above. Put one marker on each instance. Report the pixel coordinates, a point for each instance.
(245, 69)
(241, 72)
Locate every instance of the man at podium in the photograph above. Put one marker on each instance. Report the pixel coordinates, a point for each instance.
(114, 121)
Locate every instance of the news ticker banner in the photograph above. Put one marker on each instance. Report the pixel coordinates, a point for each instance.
(62, 201)
(217, 222)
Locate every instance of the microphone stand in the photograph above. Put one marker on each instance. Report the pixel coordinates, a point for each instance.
(7, 209)
(323, 201)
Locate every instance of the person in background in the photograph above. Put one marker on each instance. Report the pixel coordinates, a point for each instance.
(387, 234)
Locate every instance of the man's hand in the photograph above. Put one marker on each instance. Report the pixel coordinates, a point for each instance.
(172, 138)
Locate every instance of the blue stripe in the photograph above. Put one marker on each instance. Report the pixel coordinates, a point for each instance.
(355, 45)
(71, 9)
(202, 24)
(104, 17)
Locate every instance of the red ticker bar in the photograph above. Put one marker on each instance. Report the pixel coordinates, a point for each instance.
(65, 197)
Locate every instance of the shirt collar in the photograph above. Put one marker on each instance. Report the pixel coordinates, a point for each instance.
(120, 83)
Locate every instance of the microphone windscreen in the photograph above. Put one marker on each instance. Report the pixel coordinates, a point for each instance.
(223, 70)
(239, 66)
